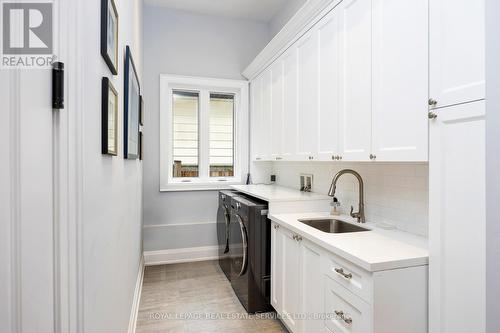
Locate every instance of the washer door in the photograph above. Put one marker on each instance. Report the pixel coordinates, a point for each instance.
(239, 250)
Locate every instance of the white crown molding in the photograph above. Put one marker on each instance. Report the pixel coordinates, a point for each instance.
(310, 13)
(175, 256)
(137, 297)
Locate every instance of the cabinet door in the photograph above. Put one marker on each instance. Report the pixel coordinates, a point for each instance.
(400, 80)
(307, 125)
(277, 110)
(291, 280)
(255, 114)
(312, 301)
(355, 115)
(457, 228)
(277, 268)
(457, 51)
(265, 118)
(329, 89)
(290, 101)
(351, 313)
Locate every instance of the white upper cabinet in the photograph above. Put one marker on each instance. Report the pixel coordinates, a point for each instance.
(355, 87)
(266, 116)
(307, 125)
(356, 105)
(277, 110)
(255, 116)
(290, 100)
(329, 87)
(457, 51)
(400, 80)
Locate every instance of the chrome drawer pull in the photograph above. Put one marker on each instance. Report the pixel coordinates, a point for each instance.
(344, 274)
(341, 315)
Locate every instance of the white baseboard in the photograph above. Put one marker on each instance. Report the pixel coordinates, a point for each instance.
(175, 256)
(137, 298)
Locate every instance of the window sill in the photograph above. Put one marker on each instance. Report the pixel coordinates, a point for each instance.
(185, 187)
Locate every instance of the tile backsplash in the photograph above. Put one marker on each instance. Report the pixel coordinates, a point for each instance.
(395, 193)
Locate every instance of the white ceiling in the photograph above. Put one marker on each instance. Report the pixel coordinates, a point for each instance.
(261, 10)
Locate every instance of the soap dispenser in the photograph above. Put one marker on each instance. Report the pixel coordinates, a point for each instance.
(335, 211)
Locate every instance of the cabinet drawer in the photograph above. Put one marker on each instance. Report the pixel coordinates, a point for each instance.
(351, 277)
(347, 312)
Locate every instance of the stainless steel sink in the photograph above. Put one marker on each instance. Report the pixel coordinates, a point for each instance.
(333, 226)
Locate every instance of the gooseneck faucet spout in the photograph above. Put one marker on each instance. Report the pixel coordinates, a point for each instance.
(360, 214)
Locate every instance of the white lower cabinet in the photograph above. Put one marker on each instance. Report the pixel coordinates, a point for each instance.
(312, 301)
(317, 291)
(290, 306)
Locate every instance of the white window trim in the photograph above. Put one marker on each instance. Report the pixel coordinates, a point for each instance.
(168, 83)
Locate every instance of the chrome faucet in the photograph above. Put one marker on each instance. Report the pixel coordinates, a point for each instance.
(360, 214)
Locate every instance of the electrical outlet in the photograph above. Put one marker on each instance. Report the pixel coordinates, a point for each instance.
(306, 182)
(273, 178)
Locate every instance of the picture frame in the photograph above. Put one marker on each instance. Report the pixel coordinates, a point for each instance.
(109, 125)
(141, 112)
(109, 34)
(131, 107)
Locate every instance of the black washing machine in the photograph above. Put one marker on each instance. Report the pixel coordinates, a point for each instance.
(250, 252)
(223, 219)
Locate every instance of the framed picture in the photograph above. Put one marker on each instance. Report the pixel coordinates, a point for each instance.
(131, 108)
(109, 34)
(141, 113)
(109, 126)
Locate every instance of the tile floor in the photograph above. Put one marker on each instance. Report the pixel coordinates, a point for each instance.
(171, 293)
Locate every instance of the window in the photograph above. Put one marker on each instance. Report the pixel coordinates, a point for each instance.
(203, 133)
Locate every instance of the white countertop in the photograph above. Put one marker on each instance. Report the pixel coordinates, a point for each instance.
(374, 250)
(274, 193)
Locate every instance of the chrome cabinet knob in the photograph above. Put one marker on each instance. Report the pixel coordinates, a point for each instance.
(372, 157)
(432, 115)
(276, 226)
(432, 102)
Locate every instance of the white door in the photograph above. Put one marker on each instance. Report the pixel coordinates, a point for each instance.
(329, 88)
(255, 114)
(27, 239)
(356, 102)
(457, 51)
(307, 128)
(312, 286)
(290, 100)
(277, 268)
(291, 280)
(457, 231)
(277, 110)
(265, 119)
(400, 80)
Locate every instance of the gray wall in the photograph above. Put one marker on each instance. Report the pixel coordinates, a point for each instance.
(284, 15)
(492, 166)
(177, 42)
(112, 203)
